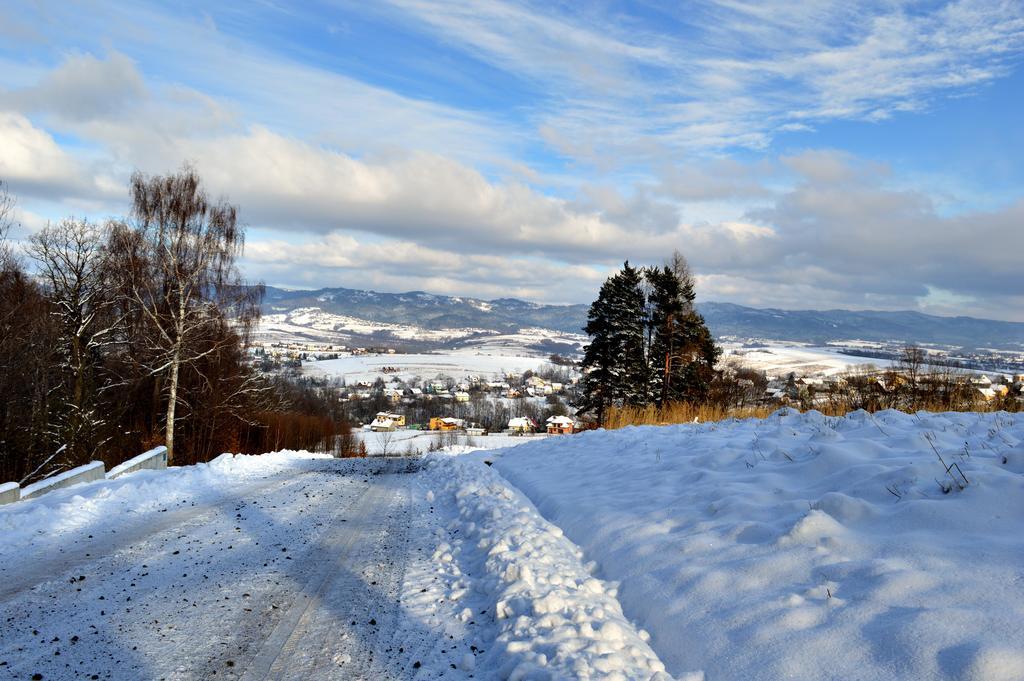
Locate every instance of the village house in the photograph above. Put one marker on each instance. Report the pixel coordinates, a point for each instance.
(1000, 390)
(461, 396)
(387, 421)
(521, 425)
(986, 394)
(446, 424)
(560, 425)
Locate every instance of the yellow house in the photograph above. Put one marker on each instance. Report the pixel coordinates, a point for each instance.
(437, 423)
(397, 419)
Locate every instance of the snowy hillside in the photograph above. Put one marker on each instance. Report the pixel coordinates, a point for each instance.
(456, 364)
(804, 547)
(505, 315)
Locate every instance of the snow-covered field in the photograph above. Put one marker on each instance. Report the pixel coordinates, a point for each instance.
(801, 546)
(402, 442)
(778, 359)
(457, 364)
(301, 322)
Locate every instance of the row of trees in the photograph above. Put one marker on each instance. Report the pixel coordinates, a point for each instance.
(118, 336)
(648, 343)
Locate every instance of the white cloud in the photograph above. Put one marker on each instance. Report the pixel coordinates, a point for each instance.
(715, 74)
(401, 198)
(36, 165)
(342, 259)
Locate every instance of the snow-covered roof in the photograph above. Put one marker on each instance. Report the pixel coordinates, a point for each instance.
(560, 420)
(520, 422)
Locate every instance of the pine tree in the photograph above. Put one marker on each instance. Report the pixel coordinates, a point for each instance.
(629, 325)
(599, 358)
(699, 356)
(666, 329)
(648, 346)
(616, 370)
(683, 352)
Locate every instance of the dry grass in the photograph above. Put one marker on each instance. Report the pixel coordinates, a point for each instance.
(682, 412)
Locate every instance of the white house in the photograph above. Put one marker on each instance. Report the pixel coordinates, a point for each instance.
(521, 425)
(560, 425)
(387, 421)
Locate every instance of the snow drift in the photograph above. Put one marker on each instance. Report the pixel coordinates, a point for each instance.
(803, 546)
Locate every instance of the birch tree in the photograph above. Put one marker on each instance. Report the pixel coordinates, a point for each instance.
(176, 258)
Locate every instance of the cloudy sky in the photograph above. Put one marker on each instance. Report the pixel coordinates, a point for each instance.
(801, 153)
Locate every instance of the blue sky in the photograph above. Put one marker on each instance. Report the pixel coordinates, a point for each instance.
(801, 154)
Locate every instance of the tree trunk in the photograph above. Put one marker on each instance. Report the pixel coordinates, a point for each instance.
(172, 401)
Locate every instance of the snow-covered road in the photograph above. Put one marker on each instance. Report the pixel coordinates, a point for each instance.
(294, 574)
(292, 566)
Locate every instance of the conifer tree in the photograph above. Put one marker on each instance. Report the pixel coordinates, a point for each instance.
(649, 345)
(666, 330)
(615, 365)
(682, 350)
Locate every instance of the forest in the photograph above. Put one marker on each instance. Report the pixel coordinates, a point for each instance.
(118, 336)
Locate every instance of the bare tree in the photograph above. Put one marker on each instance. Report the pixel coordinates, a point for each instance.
(681, 268)
(26, 365)
(177, 263)
(70, 262)
(6, 223)
(386, 441)
(911, 361)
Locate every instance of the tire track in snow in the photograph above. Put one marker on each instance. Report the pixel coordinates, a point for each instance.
(287, 648)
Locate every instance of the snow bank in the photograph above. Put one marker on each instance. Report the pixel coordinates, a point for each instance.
(553, 618)
(798, 546)
(48, 517)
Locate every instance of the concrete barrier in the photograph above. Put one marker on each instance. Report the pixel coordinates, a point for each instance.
(87, 473)
(9, 491)
(154, 459)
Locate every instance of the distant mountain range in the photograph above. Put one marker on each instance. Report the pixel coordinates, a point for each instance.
(504, 315)
(430, 311)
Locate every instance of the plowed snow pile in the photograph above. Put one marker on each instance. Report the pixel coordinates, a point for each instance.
(802, 546)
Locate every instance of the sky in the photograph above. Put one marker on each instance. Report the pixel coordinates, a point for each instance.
(800, 153)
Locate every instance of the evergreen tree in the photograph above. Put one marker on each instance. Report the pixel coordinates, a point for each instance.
(682, 350)
(699, 356)
(616, 370)
(648, 346)
(666, 330)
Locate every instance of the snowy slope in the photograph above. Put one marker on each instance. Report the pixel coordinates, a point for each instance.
(454, 364)
(800, 546)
